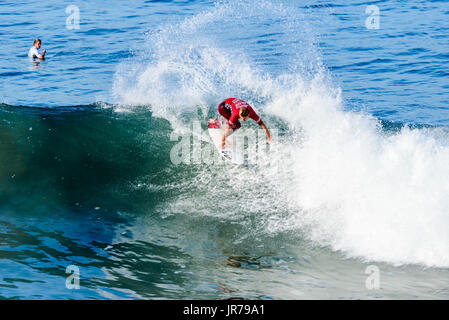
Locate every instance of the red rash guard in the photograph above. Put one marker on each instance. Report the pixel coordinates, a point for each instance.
(230, 109)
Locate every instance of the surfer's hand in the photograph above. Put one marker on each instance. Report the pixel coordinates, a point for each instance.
(223, 144)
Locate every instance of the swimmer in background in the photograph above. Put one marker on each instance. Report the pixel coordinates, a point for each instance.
(34, 50)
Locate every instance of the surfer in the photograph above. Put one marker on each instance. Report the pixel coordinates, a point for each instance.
(234, 109)
(34, 51)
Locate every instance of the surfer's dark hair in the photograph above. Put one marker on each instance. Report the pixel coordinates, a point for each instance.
(244, 112)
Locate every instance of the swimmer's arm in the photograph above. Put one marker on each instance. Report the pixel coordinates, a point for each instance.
(42, 56)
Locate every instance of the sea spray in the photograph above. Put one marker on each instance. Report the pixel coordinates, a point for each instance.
(341, 179)
(364, 192)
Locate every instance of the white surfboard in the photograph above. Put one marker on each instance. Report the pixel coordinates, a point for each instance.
(229, 152)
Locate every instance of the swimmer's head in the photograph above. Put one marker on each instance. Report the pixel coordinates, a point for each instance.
(244, 113)
(37, 43)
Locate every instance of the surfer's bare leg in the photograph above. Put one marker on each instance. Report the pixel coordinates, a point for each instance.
(228, 131)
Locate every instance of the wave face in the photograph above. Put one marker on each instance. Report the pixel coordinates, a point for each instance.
(76, 157)
(341, 178)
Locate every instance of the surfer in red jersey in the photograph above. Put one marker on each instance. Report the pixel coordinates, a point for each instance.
(233, 110)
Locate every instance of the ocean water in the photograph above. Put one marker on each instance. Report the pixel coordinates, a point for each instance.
(349, 202)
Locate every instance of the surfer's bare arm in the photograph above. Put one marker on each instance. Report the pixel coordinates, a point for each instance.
(226, 133)
(266, 131)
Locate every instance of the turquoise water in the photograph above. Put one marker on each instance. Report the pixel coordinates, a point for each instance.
(356, 179)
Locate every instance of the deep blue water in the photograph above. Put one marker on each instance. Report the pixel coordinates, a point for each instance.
(358, 177)
(396, 72)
